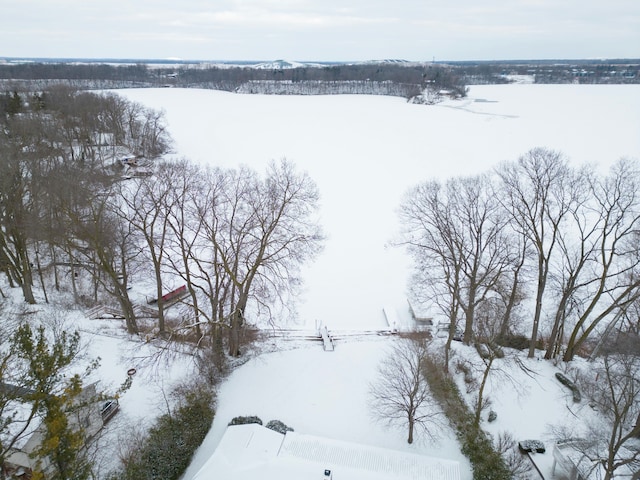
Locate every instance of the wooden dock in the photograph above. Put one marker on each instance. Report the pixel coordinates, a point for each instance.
(326, 340)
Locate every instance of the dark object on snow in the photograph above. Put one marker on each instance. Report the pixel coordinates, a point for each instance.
(245, 420)
(570, 385)
(492, 416)
(527, 446)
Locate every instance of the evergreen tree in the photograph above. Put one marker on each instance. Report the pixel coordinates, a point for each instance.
(37, 378)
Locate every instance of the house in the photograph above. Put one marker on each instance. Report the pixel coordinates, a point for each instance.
(247, 452)
(90, 416)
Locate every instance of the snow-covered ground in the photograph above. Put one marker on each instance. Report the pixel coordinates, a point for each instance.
(326, 394)
(364, 152)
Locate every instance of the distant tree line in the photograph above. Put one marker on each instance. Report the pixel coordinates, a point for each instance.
(385, 78)
(550, 72)
(406, 79)
(318, 87)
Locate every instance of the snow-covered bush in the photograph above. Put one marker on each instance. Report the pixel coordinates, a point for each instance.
(427, 97)
(245, 420)
(278, 426)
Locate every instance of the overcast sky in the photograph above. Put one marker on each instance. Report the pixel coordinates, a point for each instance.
(323, 30)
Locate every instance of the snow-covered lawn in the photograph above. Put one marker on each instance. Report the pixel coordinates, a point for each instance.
(326, 394)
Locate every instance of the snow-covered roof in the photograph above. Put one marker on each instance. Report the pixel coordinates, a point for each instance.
(251, 451)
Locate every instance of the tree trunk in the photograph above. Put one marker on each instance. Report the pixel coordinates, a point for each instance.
(156, 266)
(234, 333)
(554, 337)
(74, 282)
(469, 314)
(121, 293)
(538, 311)
(485, 376)
(56, 277)
(411, 425)
(506, 319)
(24, 266)
(129, 314)
(237, 320)
(41, 276)
(453, 314)
(27, 289)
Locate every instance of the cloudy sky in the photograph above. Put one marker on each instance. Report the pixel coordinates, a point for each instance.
(322, 30)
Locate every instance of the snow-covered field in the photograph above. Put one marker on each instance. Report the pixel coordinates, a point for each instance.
(364, 153)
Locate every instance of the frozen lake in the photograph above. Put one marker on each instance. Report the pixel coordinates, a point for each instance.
(364, 152)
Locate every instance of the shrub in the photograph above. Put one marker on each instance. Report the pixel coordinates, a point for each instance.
(166, 451)
(518, 342)
(245, 420)
(278, 426)
(488, 464)
(463, 367)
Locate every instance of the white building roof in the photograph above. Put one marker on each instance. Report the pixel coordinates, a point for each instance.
(250, 452)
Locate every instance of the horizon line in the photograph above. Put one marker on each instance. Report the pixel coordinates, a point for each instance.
(238, 61)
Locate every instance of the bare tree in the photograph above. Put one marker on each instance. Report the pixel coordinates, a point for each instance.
(20, 152)
(493, 363)
(110, 246)
(400, 394)
(62, 136)
(610, 443)
(238, 238)
(608, 247)
(186, 229)
(434, 243)
(518, 464)
(457, 235)
(616, 395)
(270, 230)
(145, 206)
(539, 192)
(510, 289)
